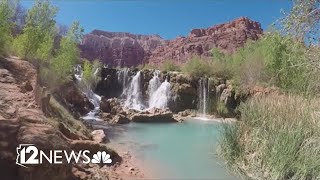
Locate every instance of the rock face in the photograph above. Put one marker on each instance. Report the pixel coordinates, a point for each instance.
(119, 49)
(154, 116)
(22, 121)
(125, 49)
(227, 37)
(74, 99)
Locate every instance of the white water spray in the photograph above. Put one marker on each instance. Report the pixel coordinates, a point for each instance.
(161, 97)
(95, 99)
(133, 93)
(203, 92)
(154, 83)
(123, 78)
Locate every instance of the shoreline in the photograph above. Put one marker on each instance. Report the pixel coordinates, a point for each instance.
(130, 167)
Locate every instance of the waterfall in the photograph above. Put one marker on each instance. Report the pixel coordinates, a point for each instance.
(123, 78)
(160, 98)
(93, 98)
(133, 93)
(154, 84)
(203, 92)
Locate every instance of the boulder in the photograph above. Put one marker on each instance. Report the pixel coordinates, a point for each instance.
(154, 116)
(74, 99)
(98, 136)
(105, 105)
(185, 97)
(120, 119)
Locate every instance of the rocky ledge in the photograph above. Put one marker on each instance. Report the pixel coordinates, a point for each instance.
(154, 116)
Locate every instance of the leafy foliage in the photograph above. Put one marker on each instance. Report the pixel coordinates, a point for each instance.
(7, 9)
(68, 53)
(169, 65)
(90, 76)
(197, 67)
(38, 33)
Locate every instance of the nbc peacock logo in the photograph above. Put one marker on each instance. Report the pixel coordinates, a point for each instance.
(101, 157)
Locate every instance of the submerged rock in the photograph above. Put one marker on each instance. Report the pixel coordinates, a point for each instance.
(153, 116)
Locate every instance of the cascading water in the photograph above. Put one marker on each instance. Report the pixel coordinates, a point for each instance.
(203, 92)
(154, 84)
(133, 94)
(123, 78)
(160, 98)
(93, 98)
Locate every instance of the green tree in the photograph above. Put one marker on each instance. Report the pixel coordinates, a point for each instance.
(7, 9)
(68, 54)
(36, 41)
(303, 21)
(90, 76)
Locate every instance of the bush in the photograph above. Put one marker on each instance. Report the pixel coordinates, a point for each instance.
(169, 65)
(197, 67)
(278, 137)
(90, 74)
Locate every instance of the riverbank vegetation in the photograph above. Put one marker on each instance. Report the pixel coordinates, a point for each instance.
(278, 137)
(278, 134)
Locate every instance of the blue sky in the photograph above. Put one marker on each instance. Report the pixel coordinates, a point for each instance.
(168, 18)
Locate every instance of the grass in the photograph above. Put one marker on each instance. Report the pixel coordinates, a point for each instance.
(278, 137)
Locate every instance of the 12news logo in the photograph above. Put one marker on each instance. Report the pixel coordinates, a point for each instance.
(28, 154)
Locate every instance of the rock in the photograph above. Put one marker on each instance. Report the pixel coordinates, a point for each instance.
(131, 169)
(106, 116)
(105, 105)
(227, 37)
(187, 112)
(120, 119)
(154, 116)
(69, 133)
(26, 87)
(220, 88)
(125, 49)
(74, 99)
(117, 48)
(98, 136)
(185, 97)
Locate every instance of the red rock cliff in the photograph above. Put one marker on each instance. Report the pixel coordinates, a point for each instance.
(125, 49)
(227, 37)
(117, 48)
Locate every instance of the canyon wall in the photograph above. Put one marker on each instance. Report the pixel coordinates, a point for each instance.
(227, 37)
(119, 49)
(125, 49)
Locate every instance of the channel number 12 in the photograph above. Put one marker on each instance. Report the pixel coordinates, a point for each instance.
(32, 159)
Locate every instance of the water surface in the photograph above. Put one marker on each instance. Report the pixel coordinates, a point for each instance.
(175, 151)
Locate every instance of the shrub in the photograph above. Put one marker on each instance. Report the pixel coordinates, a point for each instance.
(169, 65)
(90, 74)
(197, 67)
(278, 137)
